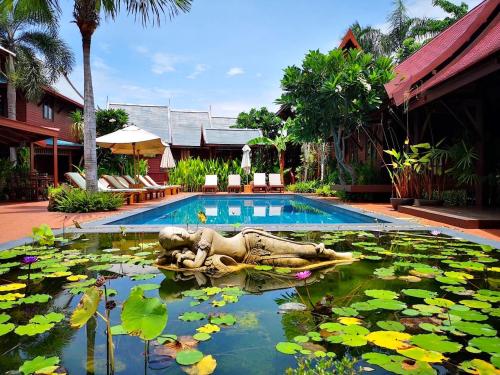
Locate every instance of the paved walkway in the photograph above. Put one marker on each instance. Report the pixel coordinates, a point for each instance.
(17, 219)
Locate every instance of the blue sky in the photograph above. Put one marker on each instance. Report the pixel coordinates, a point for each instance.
(225, 53)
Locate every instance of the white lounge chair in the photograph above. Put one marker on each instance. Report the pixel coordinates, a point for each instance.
(77, 180)
(275, 183)
(210, 184)
(234, 183)
(275, 210)
(259, 211)
(259, 183)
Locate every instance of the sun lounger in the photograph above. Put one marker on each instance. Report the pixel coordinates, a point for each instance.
(275, 210)
(114, 184)
(210, 184)
(167, 190)
(78, 181)
(259, 211)
(153, 192)
(234, 183)
(174, 188)
(259, 183)
(275, 183)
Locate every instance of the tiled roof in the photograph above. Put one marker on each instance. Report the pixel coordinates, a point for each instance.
(187, 126)
(222, 122)
(434, 56)
(153, 118)
(227, 136)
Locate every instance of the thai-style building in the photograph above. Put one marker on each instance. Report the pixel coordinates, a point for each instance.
(43, 126)
(189, 133)
(450, 90)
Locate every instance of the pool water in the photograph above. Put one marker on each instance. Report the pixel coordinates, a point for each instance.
(247, 209)
(391, 263)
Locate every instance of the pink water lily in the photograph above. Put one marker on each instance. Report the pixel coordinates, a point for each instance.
(303, 275)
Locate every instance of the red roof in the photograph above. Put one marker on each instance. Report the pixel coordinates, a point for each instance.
(349, 41)
(54, 92)
(438, 60)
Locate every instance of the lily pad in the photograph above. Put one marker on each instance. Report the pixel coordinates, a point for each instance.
(390, 325)
(423, 355)
(389, 339)
(202, 336)
(192, 316)
(223, 319)
(142, 316)
(475, 329)
(288, 347)
(86, 307)
(345, 311)
(189, 357)
(40, 364)
(436, 343)
(419, 293)
(489, 345)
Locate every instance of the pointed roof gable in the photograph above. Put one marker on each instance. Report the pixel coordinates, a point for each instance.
(349, 41)
(467, 41)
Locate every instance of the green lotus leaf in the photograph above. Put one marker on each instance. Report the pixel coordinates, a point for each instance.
(475, 329)
(40, 364)
(218, 303)
(192, 316)
(146, 287)
(363, 306)
(489, 345)
(33, 329)
(286, 347)
(437, 343)
(428, 309)
(423, 355)
(301, 339)
(263, 267)
(471, 266)
(410, 312)
(450, 280)
(166, 337)
(492, 311)
(471, 315)
(144, 276)
(52, 317)
(479, 367)
(387, 304)
(475, 304)
(419, 293)
(430, 327)
(99, 267)
(6, 328)
(381, 294)
(4, 318)
(488, 295)
(34, 298)
(353, 340)
(189, 357)
(193, 293)
(212, 291)
(223, 319)
(202, 336)
(441, 302)
(459, 290)
(282, 270)
(118, 330)
(390, 325)
(332, 326)
(384, 272)
(86, 307)
(345, 311)
(396, 364)
(142, 316)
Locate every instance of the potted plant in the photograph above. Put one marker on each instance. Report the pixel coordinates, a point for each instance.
(403, 171)
(431, 177)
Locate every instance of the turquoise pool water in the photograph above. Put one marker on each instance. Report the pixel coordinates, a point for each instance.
(247, 209)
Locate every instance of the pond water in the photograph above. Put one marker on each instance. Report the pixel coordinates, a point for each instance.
(247, 209)
(429, 297)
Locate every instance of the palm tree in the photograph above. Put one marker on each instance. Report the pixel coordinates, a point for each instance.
(87, 15)
(371, 39)
(41, 56)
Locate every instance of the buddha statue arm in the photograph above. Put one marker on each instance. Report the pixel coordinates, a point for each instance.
(202, 249)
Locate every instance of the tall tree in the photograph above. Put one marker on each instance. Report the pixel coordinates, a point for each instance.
(332, 95)
(40, 55)
(262, 119)
(87, 15)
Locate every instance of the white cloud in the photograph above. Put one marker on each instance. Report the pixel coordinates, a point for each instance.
(141, 49)
(235, 71)
(163, 63)
(198, 69)
(258, 75)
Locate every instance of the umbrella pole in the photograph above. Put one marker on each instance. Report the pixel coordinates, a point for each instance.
(133, 159)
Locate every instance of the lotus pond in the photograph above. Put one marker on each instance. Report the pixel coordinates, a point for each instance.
(414, 303)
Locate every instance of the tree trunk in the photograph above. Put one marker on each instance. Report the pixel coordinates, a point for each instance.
(339, 155)
(89, 129)
(282, 165)
(11, 101)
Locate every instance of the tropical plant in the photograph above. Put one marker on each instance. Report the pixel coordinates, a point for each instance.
(280, 142)
(326, 191)
(333, 95)
(303, 186)
(40, 55)
(262, 119)
(87, 16)
(129, 169)
(463, 159)
(70, 199)
(190, 173)
(77, 124)
(110, 120)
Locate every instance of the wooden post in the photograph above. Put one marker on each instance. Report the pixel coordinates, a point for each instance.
(56, 164)
(32, 157)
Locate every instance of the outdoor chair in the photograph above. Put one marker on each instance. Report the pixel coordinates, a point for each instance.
(210, 184)
(275, 183)
(234, 183)
(114, 184)
(259, 183)
(167, 190)
(77, 180)
(153, 192)
(174, 188)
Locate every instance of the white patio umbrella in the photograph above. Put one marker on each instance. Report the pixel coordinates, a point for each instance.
(246, 163)
(132, 140)
(167, 160)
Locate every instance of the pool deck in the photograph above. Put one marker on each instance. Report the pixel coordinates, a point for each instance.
(17, 219)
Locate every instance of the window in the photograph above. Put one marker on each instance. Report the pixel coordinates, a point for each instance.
(48, 112)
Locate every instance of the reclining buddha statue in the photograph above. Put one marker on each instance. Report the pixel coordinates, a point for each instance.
(207, 249)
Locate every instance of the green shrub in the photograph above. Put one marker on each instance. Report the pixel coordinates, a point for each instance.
(303, 187)
(190, 173)
(326, 191)
(68, 199)
(455, 197)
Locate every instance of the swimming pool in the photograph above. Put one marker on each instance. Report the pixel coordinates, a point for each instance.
(246, 210)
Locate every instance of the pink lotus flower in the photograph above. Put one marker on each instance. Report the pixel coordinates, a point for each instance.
(303, 275)
(435, 233)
